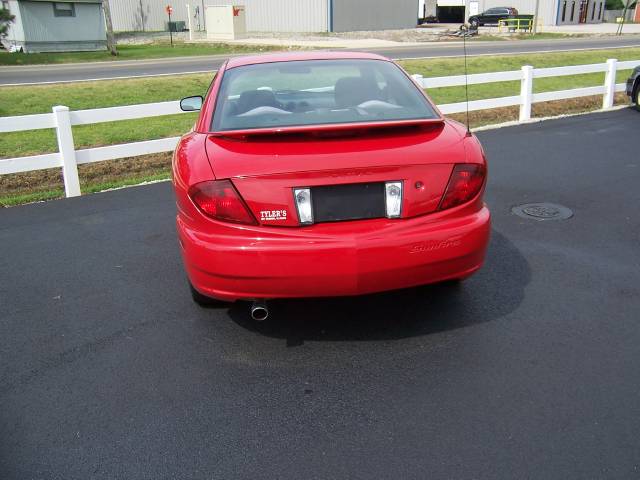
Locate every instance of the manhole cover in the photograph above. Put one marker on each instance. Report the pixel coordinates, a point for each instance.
(542, 211)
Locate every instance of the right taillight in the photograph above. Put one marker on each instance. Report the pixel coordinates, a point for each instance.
(465, 183)
(219, 199)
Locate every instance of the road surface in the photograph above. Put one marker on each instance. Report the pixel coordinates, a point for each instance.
(168, 66)
(527, 370)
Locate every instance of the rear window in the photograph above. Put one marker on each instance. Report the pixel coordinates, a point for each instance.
(316, 92)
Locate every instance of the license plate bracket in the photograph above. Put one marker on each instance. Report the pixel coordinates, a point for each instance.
(353, 201)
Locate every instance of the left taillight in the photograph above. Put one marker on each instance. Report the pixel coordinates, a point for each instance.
(220, 200)
(464, 184)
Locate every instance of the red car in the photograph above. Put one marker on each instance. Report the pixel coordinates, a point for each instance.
(324, 174)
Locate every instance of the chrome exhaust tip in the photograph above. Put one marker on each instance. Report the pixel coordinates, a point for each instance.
(259, 310)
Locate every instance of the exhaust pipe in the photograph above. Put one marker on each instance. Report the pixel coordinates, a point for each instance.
(259, 310)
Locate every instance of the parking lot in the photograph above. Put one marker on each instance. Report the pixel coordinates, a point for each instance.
(529, 369)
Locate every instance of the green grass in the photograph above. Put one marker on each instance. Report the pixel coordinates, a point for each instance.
(129, 52)
(40, 98)
(12, 200)
(441, 67)
(85, 95)
(25, 100)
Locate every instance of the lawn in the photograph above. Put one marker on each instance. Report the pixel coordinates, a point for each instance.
(441, 67)
(130, 52)
(108, 93)
(38, 99)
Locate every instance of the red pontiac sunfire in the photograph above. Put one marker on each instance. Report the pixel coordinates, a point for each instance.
(324, 174)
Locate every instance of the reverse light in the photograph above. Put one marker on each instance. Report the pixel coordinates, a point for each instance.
(302, 197)
(219, 199)
(465, 182)
(393, 199)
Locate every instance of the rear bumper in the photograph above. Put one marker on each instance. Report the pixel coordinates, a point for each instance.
(234, 262)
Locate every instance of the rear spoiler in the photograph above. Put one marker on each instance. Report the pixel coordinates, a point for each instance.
(326, 128)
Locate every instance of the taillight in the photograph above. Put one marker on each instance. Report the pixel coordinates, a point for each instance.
(219, 199)
(465, 183)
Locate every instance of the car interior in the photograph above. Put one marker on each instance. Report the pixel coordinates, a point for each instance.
(366, 96)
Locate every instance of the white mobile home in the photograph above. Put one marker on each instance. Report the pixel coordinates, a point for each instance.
(45, 26)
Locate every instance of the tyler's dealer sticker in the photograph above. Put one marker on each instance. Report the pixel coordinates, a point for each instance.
(271, 215)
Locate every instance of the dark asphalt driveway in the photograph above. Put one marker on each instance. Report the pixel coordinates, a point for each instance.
(530, 369)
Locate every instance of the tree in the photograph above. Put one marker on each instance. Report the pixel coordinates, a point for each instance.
(111, 42)
(5, 19)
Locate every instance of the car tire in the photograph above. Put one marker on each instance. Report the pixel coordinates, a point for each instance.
(205, 301)
(474, 23)
(636, 97)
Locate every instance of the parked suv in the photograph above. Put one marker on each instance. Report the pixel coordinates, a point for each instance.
(633, 87)
(492, 16)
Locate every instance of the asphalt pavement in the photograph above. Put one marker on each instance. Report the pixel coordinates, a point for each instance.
(170, 66)
(527, 370)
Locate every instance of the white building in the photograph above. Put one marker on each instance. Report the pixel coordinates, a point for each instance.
(550, 12)
(271, 15)
(44, 26)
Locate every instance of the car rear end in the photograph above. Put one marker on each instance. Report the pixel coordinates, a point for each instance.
(330, 209)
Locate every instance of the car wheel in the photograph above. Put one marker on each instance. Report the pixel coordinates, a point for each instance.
(474, 23)
(205, 301)
(637, 97)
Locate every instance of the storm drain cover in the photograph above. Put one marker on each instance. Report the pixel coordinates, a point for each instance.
(542, 211)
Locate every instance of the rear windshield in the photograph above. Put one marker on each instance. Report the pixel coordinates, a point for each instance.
(316, 92)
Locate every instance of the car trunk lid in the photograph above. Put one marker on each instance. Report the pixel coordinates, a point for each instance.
(267, 167)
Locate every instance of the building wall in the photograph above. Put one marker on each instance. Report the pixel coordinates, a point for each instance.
(612, 15)
(549, 11)
(16, 32)
(567, 7)
(40, 25)
(426, 8)
(282, 15)
(546, 8)
(351, 15)
(261, 15)
(145, 15)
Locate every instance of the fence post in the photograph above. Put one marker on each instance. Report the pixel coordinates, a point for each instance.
(418, 78)
(67, 151)
(526, 93)
(610, 83)
(189, 22)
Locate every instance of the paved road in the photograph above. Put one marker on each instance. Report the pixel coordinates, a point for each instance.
(102, 70)
(527, 370)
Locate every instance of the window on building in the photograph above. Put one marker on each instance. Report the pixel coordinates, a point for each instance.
(593, 12)
(600, 11)
(573, 10)
(5, 5)
(564, 10)
(64, 9)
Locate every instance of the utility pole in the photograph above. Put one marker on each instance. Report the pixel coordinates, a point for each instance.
(111, 42)
(535, 18)
(624, 16)
(169, 10)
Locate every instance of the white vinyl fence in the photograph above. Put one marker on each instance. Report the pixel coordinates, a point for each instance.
(69, 158)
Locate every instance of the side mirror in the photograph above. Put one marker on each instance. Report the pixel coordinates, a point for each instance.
(191, 104)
